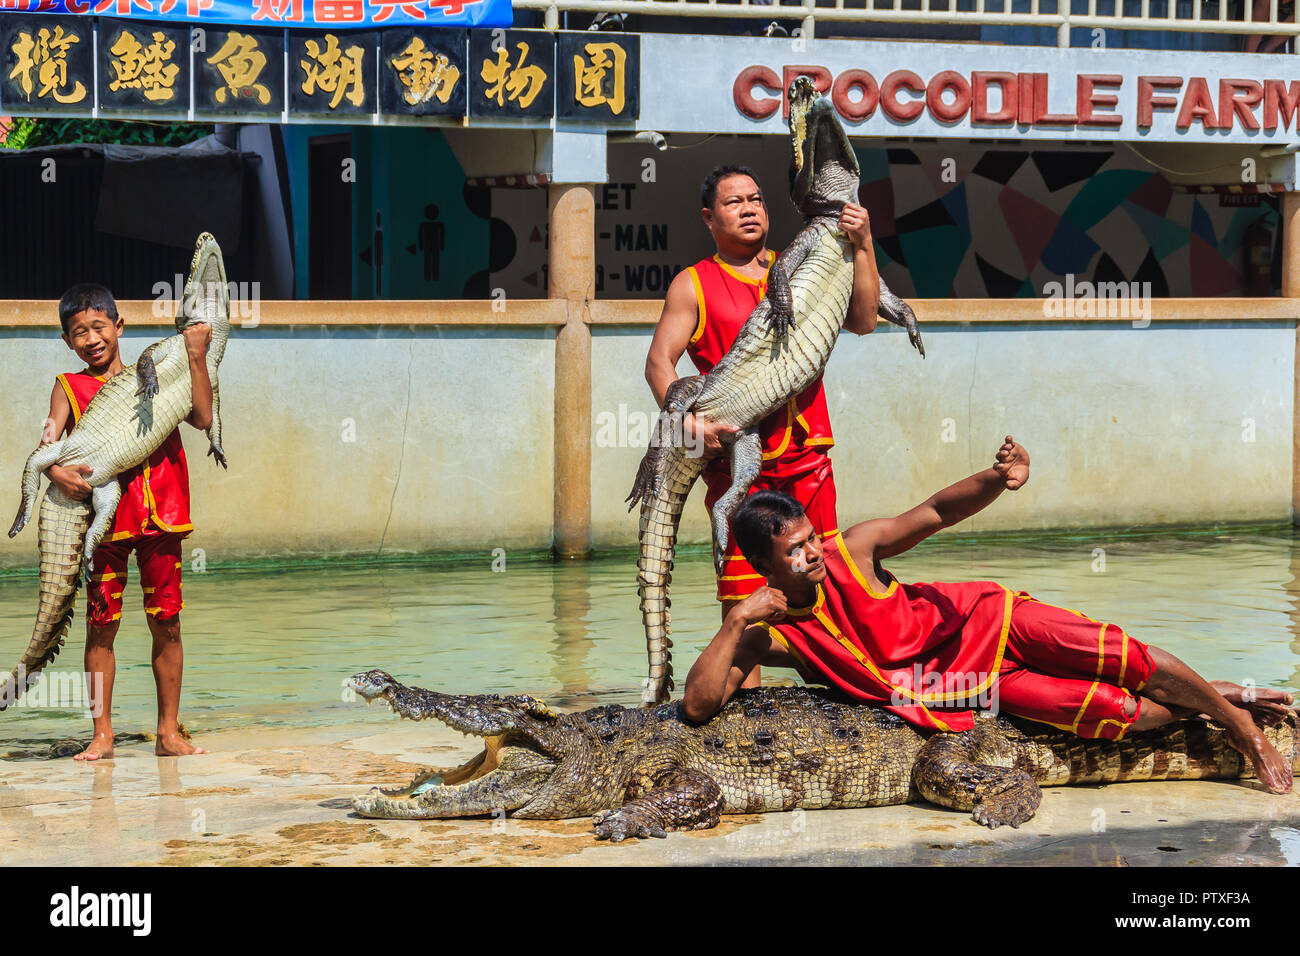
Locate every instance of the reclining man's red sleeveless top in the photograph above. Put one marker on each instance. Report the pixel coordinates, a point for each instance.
(155, 495)
(795, 438)
(928, 652)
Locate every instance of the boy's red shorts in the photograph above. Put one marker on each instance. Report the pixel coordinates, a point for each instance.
(815, 490)
(158, 558)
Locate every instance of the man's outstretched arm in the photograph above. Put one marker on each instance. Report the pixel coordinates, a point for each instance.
(885, 537)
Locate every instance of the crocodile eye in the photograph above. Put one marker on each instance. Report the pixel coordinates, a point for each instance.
(839, 732)
(763, 738)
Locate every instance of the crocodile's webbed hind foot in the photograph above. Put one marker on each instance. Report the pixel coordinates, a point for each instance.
(682, 799)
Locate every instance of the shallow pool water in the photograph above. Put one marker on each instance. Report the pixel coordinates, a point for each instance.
(272, 647)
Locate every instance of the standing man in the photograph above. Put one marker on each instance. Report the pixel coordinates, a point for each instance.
(705, 308)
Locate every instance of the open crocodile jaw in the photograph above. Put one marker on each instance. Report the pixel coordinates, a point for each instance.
(504, 777)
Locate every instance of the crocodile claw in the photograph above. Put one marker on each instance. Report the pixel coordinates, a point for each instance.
(147, 389)
(218, 454)
(617, 825)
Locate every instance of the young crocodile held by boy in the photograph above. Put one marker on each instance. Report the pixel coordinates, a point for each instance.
(126, 421)
(782, 349)
(642, 772)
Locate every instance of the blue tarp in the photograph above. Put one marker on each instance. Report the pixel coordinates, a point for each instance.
(316, 14)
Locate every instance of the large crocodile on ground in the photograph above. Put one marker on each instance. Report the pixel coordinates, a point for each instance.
(642, 772)
(781, 350)
(126, 421)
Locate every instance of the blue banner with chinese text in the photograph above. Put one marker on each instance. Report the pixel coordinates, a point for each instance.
(336, 14)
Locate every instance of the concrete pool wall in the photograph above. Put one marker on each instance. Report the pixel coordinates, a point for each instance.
(391, 427)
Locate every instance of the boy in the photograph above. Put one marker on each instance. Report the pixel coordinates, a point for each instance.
(152, 519)
(931, 652)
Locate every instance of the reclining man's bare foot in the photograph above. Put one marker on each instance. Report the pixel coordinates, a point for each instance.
(1272, 769)
(1269, 707)
(174, 745)
(99, 748)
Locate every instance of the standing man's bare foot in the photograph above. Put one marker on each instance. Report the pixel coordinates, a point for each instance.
(174, 745)
(1268, 706)
(99, 748)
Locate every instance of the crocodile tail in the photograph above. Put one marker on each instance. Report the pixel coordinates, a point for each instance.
(1192, 749)
(62, 527)
(660, 516)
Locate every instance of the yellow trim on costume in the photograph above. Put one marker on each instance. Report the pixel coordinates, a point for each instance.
(811, 608)
(734, 557)
(822, 440)
(777, 636)
(149, 590)
(109, 575)
(779, 450)
(699, 302)
(72, 399)
(155, 611)
(771, 258)
(827, 534)
(1123, 658)
(1101, 663)
(739, 577)
(848, 560)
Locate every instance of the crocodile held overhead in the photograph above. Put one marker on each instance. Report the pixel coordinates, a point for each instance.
(782, 349)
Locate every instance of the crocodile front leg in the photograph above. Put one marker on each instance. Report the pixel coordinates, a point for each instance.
(682, 799)
(746, 462)
(780, 299)
(146, 373)
(946, 773)
(895, 310)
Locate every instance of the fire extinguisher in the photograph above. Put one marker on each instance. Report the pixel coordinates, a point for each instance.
(1257, 242)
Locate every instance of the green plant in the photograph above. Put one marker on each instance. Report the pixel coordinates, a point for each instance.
(53, 132)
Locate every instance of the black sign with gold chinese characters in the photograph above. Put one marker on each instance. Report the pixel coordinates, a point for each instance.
(422, 72)
(238, 70)
(598, 77)
(46, 63)
(143, 67)
(332, 72)
(511, 73)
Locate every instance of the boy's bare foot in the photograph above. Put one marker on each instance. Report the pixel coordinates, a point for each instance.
(174, 745)
(1268, 706)
(99, 748)
(1272, 769)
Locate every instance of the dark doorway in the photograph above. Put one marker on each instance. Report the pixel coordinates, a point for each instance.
(329, 217)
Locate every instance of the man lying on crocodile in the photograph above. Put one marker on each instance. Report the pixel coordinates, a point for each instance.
(933, 652)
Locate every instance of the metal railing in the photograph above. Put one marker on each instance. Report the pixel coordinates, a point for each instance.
(1184, 16)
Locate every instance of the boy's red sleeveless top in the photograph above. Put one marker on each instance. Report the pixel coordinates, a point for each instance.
(794, 438)
(926, 651)
(155, 495)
